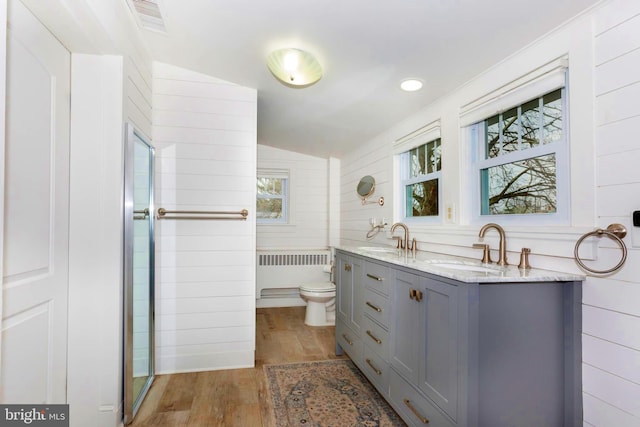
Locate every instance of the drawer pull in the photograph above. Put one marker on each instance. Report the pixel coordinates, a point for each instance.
(373, 337)
(347, 267)
(415, 411)
(371, 276)
(376, 370)
(378, 309)
(347, 339)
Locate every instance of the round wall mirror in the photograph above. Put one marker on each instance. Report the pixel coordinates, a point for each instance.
(366, 186)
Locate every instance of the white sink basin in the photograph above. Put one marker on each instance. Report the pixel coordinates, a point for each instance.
(472, 268)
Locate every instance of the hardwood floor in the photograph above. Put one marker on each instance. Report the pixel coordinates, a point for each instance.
(238, 397)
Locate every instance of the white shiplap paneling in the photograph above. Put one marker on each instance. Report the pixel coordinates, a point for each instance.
(204, 130)
(308, 226)
(611, 349)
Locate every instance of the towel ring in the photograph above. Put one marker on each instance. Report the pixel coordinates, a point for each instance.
(614, 231)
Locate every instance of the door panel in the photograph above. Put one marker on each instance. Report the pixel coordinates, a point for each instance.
(36, 218)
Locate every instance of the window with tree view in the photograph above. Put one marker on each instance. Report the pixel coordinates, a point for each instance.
(272, 193)
(421, 180)
(518, 153)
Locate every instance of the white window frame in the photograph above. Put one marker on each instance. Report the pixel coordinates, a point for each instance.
(538, 83)
(401, 149)
(286, 185)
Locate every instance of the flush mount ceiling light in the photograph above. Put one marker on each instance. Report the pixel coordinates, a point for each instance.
(294, 67)
(411, 85)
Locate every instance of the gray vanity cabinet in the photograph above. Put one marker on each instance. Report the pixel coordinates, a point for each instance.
(450, 353)
(424, 337)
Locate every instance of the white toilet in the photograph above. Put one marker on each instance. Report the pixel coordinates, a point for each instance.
(321, 303)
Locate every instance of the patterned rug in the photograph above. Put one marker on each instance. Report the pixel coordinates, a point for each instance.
(331, 393)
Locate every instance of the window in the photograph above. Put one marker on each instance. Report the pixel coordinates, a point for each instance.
(272, 197)
(420, 180)
(520, 158)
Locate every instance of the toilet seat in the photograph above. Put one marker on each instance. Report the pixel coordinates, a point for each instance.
(318, 287)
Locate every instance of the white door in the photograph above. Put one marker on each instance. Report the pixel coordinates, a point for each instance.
(36, 222)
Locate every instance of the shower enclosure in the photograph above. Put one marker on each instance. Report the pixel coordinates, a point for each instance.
(138, 271)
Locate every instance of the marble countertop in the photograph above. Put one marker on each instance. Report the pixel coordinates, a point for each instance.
(459, 268)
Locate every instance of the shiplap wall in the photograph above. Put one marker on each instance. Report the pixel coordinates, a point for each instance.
(611, 324)
(204, 131)
(604, 87)
(308, 226)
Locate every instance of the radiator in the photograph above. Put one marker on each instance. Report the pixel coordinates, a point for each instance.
(279, 273)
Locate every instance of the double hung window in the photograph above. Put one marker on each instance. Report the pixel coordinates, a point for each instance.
(420, 165)
(272, 197)
(519, 162)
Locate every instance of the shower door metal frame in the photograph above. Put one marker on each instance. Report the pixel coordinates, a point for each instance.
(132, 403)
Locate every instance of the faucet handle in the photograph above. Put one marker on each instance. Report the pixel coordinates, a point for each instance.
(524, 259)
(400, 242)
(486, 253)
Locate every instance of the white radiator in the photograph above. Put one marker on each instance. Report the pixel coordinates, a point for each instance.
(279, 274)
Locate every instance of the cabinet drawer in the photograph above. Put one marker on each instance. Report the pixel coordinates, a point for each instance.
(349, 341)
(376, 277)
(414, 408)
(377, 307)
(375, 337)
(376, 369)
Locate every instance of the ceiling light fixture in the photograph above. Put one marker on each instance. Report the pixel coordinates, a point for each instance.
(411, 85)
(294, 67)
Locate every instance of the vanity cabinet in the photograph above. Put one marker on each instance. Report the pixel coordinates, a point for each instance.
(454, 353)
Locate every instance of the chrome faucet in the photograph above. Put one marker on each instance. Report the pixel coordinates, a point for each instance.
(404, 243)
(502, 259)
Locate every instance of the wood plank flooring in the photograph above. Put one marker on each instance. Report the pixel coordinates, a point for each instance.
(238, 397)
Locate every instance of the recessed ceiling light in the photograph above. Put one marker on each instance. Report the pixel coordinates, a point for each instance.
(411, 85)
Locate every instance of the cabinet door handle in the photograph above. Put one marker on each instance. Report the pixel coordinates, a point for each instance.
(371, 276)
(347, 267)
(373, 337)
(415, 411)
(376, 370)
(347, 339)
(418, 296)
(412, 293)
(378, 309)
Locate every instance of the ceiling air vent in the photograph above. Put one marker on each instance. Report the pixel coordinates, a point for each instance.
(148, 14)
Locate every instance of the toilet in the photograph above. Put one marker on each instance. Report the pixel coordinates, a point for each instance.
(321, 303)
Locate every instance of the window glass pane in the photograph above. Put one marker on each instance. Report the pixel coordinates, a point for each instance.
(522, 187)
(437, 156)
(510, 130)
(433, 156)
(269, 209)
(552, 116)
(422, 199)
(417, 161)
(530, 122)
(269, 186)
(493, 137)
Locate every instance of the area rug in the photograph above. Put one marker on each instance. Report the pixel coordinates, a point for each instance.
(331, 393)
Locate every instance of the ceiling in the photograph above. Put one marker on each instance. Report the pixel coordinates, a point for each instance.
(365, 47)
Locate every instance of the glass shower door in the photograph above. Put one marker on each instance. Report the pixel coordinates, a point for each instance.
(139, 272)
